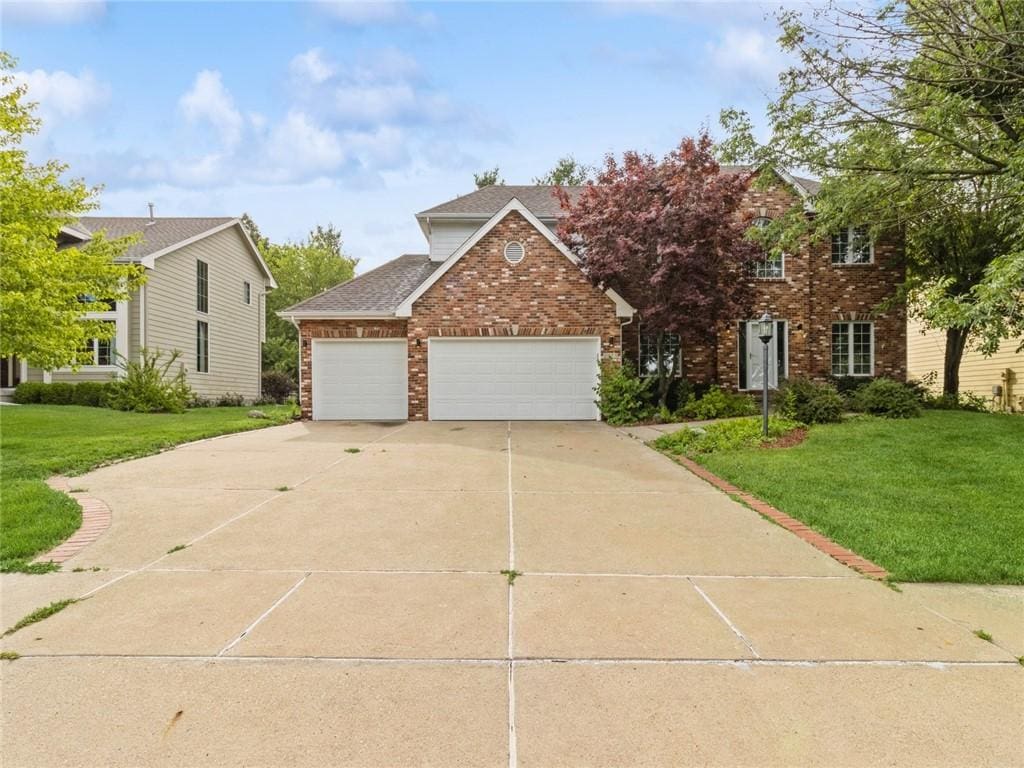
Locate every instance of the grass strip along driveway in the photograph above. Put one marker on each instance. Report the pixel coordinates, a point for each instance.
(937, 498)
(37, 441)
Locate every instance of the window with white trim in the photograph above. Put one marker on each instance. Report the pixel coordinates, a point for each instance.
(772, 266)
(101, 351)
(202, 286)
(852, 245)
(853, 349)
(670, 357)
(202, 346)
(247, 292)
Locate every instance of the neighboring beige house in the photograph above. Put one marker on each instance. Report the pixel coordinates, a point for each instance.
(204, 296)
(978, 374)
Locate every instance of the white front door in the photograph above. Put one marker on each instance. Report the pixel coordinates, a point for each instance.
(360, 380)
(755, 355)
(513, 379)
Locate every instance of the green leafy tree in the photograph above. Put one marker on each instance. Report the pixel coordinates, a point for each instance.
(912, 113)
(488, 178)
(302, 270)
(45, 288)
(568, 172)
(258, 238)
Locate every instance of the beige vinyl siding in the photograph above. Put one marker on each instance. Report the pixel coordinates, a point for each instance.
(447, 236)
(978, 374)
(134, 342)
(83, 374)
(235, 326)
(34, 374)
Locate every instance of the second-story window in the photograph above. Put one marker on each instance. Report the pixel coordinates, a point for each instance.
(247, 292)
(852, 245)
(202, 286)
(772, 266)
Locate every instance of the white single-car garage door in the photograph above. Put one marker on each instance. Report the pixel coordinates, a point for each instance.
(515, 379)
(358, 379)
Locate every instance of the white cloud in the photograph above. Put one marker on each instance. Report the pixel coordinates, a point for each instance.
(312, 66)
(48, 12)
(208, 100)
(61, 94)
(361, 14)
(746, 53)
(298, 147)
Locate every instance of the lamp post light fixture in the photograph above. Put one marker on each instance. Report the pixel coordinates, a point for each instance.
(765, 326)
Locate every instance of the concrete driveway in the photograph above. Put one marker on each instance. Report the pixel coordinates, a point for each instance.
(343, 599)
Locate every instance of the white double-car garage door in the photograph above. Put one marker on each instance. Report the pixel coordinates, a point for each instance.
(551, 378)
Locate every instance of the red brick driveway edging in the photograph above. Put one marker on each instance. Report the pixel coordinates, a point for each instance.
(95, 520)
(842, 554)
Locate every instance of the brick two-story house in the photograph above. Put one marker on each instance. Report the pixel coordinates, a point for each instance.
(497, 321)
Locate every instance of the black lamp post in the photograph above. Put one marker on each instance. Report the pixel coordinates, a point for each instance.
(765, 326)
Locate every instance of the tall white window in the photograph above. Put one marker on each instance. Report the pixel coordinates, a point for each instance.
(247, 292)
(852, 245)
(202, 286)
(772, 266)
(853, 349)
(101, 351)
(202, 347)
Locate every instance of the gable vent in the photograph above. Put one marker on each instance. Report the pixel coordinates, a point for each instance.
(514, 252)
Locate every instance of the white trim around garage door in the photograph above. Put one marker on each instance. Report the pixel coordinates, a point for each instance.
(498, 413)
(395, 410)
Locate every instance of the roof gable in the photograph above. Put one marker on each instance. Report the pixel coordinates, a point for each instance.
(165, 235)
(622, 307)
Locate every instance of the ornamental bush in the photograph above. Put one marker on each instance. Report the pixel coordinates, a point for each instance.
(91, 393)
(889, 398)
(622, 396)
(724, 436)
(149, 385)
(277, 386)
(809, 402)
(717, 403)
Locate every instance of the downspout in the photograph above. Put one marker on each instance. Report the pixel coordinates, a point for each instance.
(622, 339)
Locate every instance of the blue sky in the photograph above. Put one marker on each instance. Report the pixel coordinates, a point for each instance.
(361, 114)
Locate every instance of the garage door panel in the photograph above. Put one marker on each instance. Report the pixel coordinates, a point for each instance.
(360, 380)
(519, 379)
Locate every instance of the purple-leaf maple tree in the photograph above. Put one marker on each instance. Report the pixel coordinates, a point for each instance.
(669, 236)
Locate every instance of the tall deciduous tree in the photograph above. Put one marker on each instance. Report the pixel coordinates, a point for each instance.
(568, 172)
(913, 113)
(669, 236)
(45, 289)
(301, 270)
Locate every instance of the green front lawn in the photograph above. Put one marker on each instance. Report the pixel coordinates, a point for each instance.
(938, 498)
(37, 441)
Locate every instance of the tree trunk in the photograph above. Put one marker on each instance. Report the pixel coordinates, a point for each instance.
(956, 340)
(663, 379)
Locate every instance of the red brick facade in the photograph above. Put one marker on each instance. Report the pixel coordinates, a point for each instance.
(483, 295)
(812, 295)
(336, 329)
(545, 294)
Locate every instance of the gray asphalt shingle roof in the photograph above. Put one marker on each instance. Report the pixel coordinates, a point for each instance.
(541, 200)
(378, 291)
(488, 201)
(162, 233)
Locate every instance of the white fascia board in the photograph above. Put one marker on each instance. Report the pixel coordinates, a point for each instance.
(150, 259)
(789, 179)
(80, 234)
(327, 315)
(622, 308)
